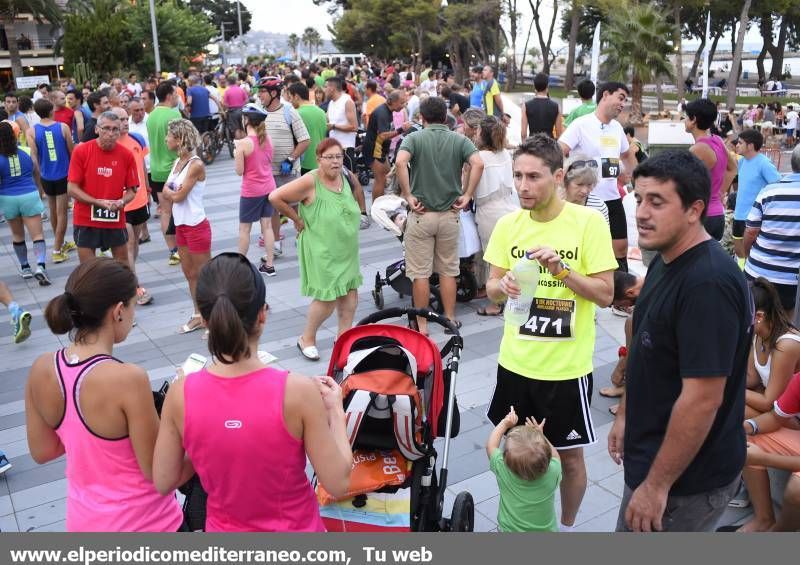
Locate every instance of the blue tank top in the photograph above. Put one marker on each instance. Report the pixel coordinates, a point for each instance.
(86, 116)
(16, 174)
(52, 151)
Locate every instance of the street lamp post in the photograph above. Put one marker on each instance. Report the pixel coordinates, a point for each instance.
(239, 15)
(155, 36)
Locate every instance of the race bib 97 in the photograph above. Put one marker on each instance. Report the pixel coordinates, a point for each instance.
(609, 167)
(104, 215)
(549, 319)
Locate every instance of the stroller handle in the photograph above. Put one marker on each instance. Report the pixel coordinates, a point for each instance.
(430, 315)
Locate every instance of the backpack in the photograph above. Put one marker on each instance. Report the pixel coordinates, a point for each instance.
(383, 406)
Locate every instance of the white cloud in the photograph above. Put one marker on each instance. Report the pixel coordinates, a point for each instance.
(288, 16)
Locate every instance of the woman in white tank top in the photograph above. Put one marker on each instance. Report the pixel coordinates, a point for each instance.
(775, 355)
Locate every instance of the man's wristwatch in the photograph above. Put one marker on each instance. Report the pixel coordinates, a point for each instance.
(752, 425)
(563, 273)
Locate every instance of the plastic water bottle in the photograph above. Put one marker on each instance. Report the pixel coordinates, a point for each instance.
(526, 275)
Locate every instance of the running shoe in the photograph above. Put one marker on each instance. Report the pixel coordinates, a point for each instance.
(22, 326)
(364, 222)
(5, 464)
(26, 272)
(41, 276)
(44, 215)
(144, 240)
(174, 258)
(2, 219)
(267, 270)
(104, 253)
(68, 246)
(278, 248)
(59, 256)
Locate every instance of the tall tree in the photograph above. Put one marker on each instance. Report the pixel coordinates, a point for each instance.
(99, 35)
(638, 44)
(42, 11)
(537, 7)
(294, 41)
(219, 11)
(510, 8)
(737, 54)
(311, 38)
(574, 19)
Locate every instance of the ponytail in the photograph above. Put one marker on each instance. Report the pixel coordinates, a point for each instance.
(228, 340)
(58, 315)
(767, 299)
(261, 132)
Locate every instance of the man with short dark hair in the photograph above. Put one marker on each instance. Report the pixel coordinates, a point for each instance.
(102, 179)
(586, 92)
(755, 172)
(374, 100)
(545, 365)
(435, 194)
(341, 113)
(98, 103)
(198, 101)
(540, 114)
(492, 100)
(678, 429)
(148, 101)
(599, 137)
(11, 104)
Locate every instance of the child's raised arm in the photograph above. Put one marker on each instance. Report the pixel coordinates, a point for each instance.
(497, 433)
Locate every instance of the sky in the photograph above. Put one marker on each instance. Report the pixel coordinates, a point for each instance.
(288, 16)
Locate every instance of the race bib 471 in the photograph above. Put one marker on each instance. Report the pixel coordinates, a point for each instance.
(550, 319)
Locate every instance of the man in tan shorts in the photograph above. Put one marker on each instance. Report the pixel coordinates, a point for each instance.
(429, 165)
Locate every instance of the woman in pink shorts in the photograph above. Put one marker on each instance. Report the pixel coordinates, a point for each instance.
(184, 188)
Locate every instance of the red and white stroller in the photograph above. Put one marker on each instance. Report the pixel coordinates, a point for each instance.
(399, 396)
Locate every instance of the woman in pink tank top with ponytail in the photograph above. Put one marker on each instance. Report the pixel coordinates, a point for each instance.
(245, 427)
(98, 410)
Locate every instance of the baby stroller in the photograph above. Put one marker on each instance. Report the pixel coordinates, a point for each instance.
(357, 164)
(390, 212)
(399, 394)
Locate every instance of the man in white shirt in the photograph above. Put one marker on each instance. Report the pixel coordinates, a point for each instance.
(342, 122)
(429, 84)
(599, 138)
(791, 126)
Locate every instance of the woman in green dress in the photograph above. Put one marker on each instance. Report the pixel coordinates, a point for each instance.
(327, 222)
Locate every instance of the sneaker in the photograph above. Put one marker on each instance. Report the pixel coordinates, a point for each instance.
(5, 464)
(143, 298)
(22, 326)
(174, 258)
(267, 270)
(278, 248)
(41, 276)
(261, 241)
(26, 272)
(44, 215)
(59, 256)
(364, 222)
(104, 253)
(68, 246)
(2, 219)
(741, 499)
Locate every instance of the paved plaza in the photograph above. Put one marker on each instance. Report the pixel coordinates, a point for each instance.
(32, 497)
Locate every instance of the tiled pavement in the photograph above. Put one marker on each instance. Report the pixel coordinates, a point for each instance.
(32, 497)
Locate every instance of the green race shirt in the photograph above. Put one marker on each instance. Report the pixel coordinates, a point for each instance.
(437, 158)
(161, 158)
(557, 342)
(526, 506)
(316, 122)
(582, 110)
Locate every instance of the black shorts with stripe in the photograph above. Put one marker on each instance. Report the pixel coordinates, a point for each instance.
(565, 405)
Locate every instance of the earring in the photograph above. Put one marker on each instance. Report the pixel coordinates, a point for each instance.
(119, 319)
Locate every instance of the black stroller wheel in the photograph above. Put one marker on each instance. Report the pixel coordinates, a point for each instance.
(466, 286)
(377, 296)
(364, 178)
(463, 517)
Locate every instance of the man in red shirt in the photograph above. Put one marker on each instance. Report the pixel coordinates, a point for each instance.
(62, 112)
(102, 179)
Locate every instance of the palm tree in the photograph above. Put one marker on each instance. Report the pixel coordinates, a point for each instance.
(49, 11)
(638, 42)
(294, 41)
(311, 38)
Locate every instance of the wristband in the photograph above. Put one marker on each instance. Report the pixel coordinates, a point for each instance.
(753, 424)
(623, 351)
(564, 273)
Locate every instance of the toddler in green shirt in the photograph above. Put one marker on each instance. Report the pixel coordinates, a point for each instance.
(528, 471)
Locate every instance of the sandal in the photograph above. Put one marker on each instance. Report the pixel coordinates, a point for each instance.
(484, 312)
(612, 391)
(189, 327)
(311, 352)
(143, 297)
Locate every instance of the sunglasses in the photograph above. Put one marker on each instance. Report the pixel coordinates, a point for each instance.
(581, 164)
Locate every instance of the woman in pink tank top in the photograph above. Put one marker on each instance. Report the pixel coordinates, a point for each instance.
(710, 149)
(98, 410)
(247, 428)
(253, 156)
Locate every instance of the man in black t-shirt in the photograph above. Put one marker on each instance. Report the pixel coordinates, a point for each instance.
(679, 426)
(540, 114)
(456, 103)
(380, 132)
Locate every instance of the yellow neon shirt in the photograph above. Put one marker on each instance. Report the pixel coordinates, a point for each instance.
(557, 343)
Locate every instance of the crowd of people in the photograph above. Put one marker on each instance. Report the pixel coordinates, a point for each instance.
(710, 345)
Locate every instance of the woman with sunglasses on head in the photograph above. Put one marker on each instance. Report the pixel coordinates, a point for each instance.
(327, 222)
(184, 189)
(245, 427)
(85, 403)
(579, 180)
(494, 195)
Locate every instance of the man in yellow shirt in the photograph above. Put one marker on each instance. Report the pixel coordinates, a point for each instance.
(493, 102)
(545, 365)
